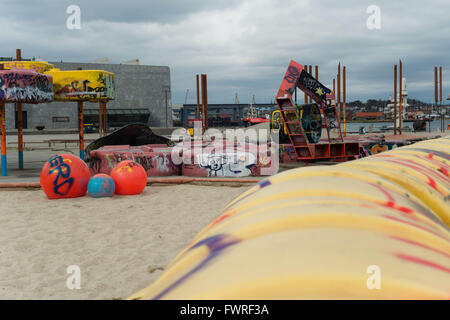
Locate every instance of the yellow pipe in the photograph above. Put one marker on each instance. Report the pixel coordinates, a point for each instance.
(374, 228)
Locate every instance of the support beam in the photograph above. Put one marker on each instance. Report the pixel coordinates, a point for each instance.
(310, 72)
(440, 99)
(198, 97)
(305, 67)
(81, 128)
(4, 170)
(339, 90)
(19, 121)
(205, 102)
(400, 108)
(343, 99)
(105, 119)
(395, 100)
(100, 119)
(3, 138)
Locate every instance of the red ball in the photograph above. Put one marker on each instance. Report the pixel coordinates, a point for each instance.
(65, 176)
(129, 177)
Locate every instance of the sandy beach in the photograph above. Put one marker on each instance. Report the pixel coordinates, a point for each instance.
(121, 244)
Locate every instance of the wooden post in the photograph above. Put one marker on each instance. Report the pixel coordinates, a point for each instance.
(81, 127)
(3, 137)
(435, 91)
(198, 98)
(343, 98)
(400, 105)
(317, 72)
(100, 119)
(19, 121)
(395, 99)
(205, 101)
(105, 119)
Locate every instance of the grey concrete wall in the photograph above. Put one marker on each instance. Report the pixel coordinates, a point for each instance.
(136, 86)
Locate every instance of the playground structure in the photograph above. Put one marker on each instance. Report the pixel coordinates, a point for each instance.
(21, 82)
(38, 81)
(303, 124)
(382, 234)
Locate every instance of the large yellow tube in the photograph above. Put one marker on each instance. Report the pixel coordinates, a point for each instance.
(375, 228)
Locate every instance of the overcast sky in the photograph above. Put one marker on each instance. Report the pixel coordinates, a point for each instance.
(243, 45)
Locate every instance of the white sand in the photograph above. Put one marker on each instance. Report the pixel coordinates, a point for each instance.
(115, 241)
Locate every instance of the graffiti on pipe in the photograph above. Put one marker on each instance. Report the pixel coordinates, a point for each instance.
(86, 85)
(25, 86)
(37, 66)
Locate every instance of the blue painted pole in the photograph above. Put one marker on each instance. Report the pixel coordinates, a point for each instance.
(3, 140)
(4, 171)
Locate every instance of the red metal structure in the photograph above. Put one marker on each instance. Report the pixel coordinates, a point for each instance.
(334, 149)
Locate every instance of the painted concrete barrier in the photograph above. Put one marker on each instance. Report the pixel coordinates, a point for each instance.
(25, 85)
(194, 159)
(155, 159)
(374, 228)
(224, 158)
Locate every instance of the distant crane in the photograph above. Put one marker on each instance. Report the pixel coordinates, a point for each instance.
(186, 97)
(236, 99)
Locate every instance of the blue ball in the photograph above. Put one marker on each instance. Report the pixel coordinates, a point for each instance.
(101, 185)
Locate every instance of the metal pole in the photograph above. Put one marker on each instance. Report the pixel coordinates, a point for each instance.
(105, 119)
(295, 95)
(400, 108)
(100, 119)
(205, 90)
(339, 90)
(440, 98)
(395, 99)
(305, 68)
(19, 120)
(198, 98)
(3, 137)
(203, 103)
(81, 127)
(435, 90)
(310, 72)
(343, 99)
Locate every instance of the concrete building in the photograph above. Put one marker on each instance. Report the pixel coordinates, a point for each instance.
(143, 94)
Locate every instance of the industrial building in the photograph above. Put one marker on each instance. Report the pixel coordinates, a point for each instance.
(142, 94)
(219, 115)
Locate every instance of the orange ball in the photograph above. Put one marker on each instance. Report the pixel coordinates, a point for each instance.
(64, 176)
(129, 177)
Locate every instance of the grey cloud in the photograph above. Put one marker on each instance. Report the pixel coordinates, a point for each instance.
(244, 46)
